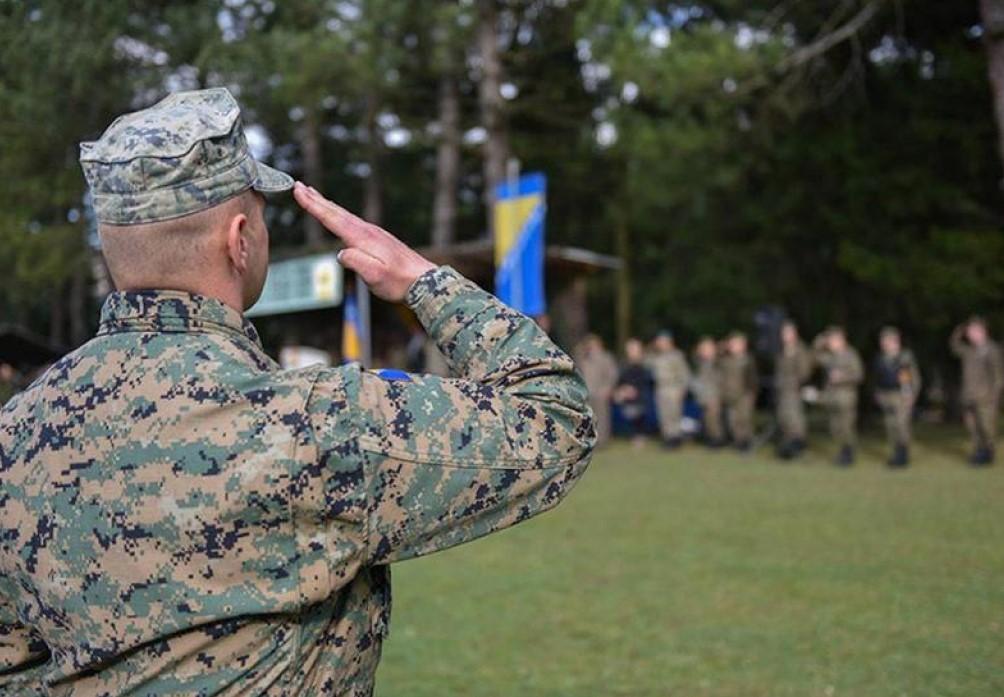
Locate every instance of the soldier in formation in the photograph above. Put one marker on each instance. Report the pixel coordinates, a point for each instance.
(842, 376)
(982, 382)
(897, 385)
(599, 370)
(707, 390)
(633, 392)
(739, 384)
(671, 373)
(792, 370)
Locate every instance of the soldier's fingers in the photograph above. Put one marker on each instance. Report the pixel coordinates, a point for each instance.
(351, 229)
(369, 268)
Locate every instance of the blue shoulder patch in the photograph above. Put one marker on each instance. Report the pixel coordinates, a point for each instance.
(393, 374)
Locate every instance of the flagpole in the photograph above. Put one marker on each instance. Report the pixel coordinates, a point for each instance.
(365, 335)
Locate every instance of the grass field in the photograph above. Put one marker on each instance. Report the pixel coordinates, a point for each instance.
(715, 574)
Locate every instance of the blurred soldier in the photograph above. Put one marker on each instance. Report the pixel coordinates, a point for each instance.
(792, 369)
(599, 369)
(183, 516)
(843, 373)
(634, 390)
(672, 376)
(707, 390)
(8, 382)
(982, 381)
(897, 384)
(739, 389)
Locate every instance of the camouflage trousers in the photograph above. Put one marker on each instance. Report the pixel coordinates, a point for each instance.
(739, 418)
(842, 409)
(790, 416)
(712, 418)
(601, 419)
(897, 414)
(981, 421)
(669, 405)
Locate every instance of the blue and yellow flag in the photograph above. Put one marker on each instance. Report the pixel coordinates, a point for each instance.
(520, 208)
(352, 347)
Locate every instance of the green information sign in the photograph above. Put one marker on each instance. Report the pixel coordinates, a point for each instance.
(306, 283)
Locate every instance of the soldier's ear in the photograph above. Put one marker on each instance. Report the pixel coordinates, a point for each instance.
(238, 244)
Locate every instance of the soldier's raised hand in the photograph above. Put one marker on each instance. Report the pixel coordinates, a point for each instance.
(387, 265)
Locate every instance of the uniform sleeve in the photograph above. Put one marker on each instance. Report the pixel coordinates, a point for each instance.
(446, 461)
(916, 379)
(22, 653)
(997, 365)
(855, 369)
(805, 365)
(752, 377)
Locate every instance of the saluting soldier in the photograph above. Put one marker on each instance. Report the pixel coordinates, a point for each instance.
(184, 517)
(672, 376)
(599, 370)
(897, 385)
(792, 369)
(982, 382)
(739, 382)
(707, 390)
(843, 373)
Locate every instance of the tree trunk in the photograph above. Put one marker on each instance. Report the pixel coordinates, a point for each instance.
(444, 207)
(496, 148)
(992, 12)
(373, 191)
(623, 314)
(313, 171)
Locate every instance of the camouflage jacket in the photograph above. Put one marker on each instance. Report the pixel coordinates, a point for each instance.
(738, 377)
(982, 369)
(792, 368)
(844, 371)
(178, 516)
(706, 382)
(670, 370)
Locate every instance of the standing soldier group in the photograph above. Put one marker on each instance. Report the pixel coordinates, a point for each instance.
(724, 383)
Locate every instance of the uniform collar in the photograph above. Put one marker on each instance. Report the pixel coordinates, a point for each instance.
(171, 311)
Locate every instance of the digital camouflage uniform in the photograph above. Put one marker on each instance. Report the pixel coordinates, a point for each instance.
(179, 516)
(707, 389)
(792, 369)
(844, 373)
(739, 385)
(982, 382)
(897, 385)
(672, 376)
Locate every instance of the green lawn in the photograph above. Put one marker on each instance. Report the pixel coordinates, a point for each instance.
(699, 574)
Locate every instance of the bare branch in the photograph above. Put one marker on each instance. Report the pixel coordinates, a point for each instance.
(828, 41)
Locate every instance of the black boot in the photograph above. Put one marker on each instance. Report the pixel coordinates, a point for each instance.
(846, 457)
(981, 457)
(786, 451)
(798, 447)
(900, 456)
(672, 443)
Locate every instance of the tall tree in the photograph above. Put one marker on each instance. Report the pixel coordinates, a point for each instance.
(496, 146)
(992, 15)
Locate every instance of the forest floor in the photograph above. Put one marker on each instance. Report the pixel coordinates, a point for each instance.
(703, 574)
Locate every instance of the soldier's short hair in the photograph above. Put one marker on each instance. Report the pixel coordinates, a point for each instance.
(890, 332)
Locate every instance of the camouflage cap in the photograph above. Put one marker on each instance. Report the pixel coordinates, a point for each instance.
(184, 154)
